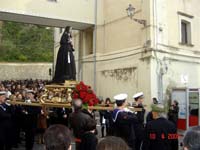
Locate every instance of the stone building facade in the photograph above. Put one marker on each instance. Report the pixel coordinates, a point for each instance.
(118, 54)
(122, 55)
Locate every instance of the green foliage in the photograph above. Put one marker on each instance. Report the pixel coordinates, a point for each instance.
(26, 43)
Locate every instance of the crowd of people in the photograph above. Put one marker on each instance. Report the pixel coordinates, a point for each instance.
(18, 120)
(58, 127)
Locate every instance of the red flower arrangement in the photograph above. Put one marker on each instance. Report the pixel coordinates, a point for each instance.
(86, 94)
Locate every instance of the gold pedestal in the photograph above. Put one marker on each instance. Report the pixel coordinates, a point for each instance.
(56, 93)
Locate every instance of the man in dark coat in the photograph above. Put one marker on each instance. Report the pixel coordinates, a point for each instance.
(124, 121)
(5, 124)
(160, 133)
(78, 121)
(65, 65)
(139, 127)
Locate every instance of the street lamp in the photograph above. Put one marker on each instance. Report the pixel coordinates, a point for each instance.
(131, 12)
(52, 0)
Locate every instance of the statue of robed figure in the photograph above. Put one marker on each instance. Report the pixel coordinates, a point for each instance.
(65, 64)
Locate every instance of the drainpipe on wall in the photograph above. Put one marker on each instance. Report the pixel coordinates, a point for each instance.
(158, 62)
(94, 43)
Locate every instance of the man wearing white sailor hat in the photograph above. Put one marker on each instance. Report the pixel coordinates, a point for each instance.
(139, 127)
(2, 97)
(5, 123)
(31, 118)
(120, 99)
(124, 121)
(2, 92)
(138, 97)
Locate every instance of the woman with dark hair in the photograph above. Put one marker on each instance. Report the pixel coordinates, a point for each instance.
(112, 143)
(102, 119)
(108, 117)
(173, 112)
(65, 65)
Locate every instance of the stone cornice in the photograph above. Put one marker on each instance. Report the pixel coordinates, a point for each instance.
(124, 53)
(184, 14)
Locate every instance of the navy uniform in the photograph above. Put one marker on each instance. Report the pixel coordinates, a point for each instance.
(139, 127)
(30, 122)
(63, 115)
(124, 120)
(5, 124)
(17, 123)
(160, 133)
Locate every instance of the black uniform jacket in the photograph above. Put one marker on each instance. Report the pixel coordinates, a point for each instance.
(5, 124)
(160, 135)
(139, 127)
(124, 125)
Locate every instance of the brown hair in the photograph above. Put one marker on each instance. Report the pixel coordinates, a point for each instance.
(57, 137)
(112, 143)
(90, 125)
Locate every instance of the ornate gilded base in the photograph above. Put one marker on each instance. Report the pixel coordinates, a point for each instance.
(56, 93)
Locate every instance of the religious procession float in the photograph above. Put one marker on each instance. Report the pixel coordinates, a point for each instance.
(62, 95)
(64, 87)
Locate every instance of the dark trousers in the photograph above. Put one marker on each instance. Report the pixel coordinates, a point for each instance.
(138, 144)
(132, 145)
(102, 130)
(5, 147)
(78, 145)
(29, 138)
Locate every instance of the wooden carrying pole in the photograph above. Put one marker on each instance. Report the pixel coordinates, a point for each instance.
(61, 105)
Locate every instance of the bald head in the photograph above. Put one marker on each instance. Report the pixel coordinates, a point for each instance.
(77, 104)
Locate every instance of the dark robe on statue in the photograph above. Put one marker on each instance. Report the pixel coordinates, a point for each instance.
(65, 65)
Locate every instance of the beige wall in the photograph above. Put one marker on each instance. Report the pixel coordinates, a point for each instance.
(190, 8)
(125, 61)
(177, 66)
(168, 20)
(72, 10)
(121, 64)
(179, 59)
(192, 70)
(25, 71)
(117, 31)
(121, 72)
